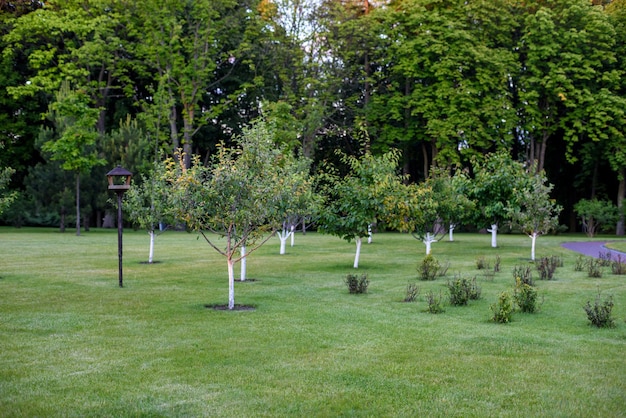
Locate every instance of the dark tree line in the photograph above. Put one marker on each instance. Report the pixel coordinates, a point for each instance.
(89, 84)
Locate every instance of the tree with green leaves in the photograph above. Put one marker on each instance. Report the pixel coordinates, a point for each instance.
(532, 210)
(494, 185)
(72, 140)
(6, 197)
(237, 197)
(146, 204)
(596, 215)
(355, 201)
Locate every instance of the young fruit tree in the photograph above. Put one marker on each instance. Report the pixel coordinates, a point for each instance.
(596, 215)
(532, 210)
(414, 208)
(302, 201)
(355, 201)
(494, 184)
(451, 194)
(237, 197)
(146, 205)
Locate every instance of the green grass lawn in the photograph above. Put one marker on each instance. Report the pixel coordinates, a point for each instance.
(72, 343)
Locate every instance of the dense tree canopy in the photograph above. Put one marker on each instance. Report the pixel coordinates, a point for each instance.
(444, 81)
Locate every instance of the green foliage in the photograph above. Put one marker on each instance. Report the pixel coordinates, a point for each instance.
(547, 266)
(581, 263)
(503, 309)
(429, 268)
(594, 267)
(463, 290)
(600, 313)
(618, 266)
(525, 296)
(524, 274)
(6, 197)
(435, 303)
(357, 283)
(354, 201)
(497, 180)
(596, 215)
(482, 263)
(412, 292)
(531, 208)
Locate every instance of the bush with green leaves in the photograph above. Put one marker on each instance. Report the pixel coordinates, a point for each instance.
(482, 263)
(594, 268)
(525, 296)
(357, 283)
(600, 313)
(619, 265)
(463, 290)
(412, 292)
(596, 215)
(547, 266)
(524, 274)
(429, 268)
(580, 263)
(503, 309)
(435, 305)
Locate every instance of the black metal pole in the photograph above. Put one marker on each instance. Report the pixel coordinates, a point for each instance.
(119, 233)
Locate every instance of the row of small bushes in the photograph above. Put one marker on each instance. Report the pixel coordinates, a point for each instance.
(523, 298)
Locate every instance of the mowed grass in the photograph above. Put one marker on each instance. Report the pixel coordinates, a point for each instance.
(72, 343)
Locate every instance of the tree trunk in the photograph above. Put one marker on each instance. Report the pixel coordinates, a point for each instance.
(293, 230)
(428, 241)
(282, 236)
(243, 263)
(533, 238)
(151, 252)
(77, 203)
(451, 238)
(358, 253)
(621, 195)
(369, 233)
(494, 235)
(231, 282)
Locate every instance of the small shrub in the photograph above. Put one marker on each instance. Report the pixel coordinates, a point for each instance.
(434, 303)
(619, 265)
(429, 268)
(581, 263)
(547, 266)
(443, 269)
(605, 258)
(482, 263)
(594, 268)
(463, 290)
(412, 292)
(503, 309)
(525, 296)
(496, 264)
(524, 274)
(356, 283)
(599, 314)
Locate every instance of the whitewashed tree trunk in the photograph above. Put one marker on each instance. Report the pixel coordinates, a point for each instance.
(494, 235)
(243, 263)
(282, 236)
(358, 252)
(369, 233)
(451, 237)
(293, 235)
(151, 251)
(428, 240)
(533, 238)
(231, 283)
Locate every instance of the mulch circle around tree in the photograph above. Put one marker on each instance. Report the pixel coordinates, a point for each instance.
(147, 262)
(245, 281)
(222, 307)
